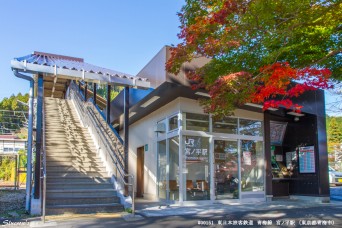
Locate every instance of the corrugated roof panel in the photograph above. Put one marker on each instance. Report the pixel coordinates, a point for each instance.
(67, 62)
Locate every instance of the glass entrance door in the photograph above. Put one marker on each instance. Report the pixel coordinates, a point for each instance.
(226, 169)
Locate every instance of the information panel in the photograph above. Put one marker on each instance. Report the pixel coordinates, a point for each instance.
(307, 159)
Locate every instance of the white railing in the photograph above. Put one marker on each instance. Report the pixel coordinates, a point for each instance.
(107, 139)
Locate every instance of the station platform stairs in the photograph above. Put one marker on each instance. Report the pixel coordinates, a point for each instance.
(77, 181)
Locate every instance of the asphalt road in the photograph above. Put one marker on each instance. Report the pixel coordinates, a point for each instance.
(329, 215)
(307, 215)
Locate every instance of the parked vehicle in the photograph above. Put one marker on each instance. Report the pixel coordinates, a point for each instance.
(335, 177)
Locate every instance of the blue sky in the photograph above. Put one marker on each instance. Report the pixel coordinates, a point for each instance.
(119, 35)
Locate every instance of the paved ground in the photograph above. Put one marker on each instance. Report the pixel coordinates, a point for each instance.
(336, 193)
(281, 213)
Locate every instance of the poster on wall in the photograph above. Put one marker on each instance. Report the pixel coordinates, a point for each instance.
(247, 158)
(277, 131)
(307, 159)
(290, 158)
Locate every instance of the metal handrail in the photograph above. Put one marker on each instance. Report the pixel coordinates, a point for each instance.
(43, 168)
(94, 117)
(99, 123)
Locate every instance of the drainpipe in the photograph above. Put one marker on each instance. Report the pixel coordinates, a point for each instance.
(29, 140)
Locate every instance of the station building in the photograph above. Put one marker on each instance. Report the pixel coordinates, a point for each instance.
(180, 154)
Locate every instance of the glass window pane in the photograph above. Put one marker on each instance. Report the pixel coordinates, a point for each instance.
(162, 161)
(250, 127)
(196, 174)
(226, 125)
(161, 129)
(252, 166)
(174, 168)
(196, 122)
(173, 123)
(226, 169)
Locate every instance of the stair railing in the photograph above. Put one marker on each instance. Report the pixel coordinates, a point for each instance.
(107, 138)
(43, 167)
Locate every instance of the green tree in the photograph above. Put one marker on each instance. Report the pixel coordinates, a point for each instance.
(7, 165)
(334, 140)
(102, 91)
(13, 120)
(252, 42)
(334, 132)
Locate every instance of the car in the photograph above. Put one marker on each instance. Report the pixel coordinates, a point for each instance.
(335, 177)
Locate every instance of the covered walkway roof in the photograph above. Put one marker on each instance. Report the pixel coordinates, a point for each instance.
(59, 69)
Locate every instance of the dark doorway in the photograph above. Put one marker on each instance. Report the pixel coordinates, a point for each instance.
(140, 172)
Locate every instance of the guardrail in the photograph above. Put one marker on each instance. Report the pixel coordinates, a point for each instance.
(107, 138)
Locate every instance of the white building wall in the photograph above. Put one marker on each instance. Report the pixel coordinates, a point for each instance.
(142, 133)
(12, 145)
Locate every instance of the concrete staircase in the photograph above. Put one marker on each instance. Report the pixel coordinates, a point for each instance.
(77, 181)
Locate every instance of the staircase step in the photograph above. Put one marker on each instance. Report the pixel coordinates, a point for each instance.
(52, 169)
(81, 200)
(84, 208)
(77, 179)
(60, 153)
(78, 185)
(74, 163)
(51, 193)
(72, 158)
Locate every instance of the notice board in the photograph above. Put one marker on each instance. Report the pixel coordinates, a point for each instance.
(307, 159)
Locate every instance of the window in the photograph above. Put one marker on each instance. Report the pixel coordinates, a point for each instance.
(173, 123)
(252, 166)
(226, 125)
(250, 127)
(162, 162)
(161, 129)
(174, 168)
(196, 179)
(196, 122)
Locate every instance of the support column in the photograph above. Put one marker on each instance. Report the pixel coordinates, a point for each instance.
(267, 157)
(29, 149)
(85, 91)
(79, 86)
(109, 89)
(40, 97)
(126, 126)
(94, 93)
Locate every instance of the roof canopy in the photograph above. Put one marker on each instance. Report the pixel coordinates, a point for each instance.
(66, 67)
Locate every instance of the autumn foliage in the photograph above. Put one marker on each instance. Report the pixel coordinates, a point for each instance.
(264, 52)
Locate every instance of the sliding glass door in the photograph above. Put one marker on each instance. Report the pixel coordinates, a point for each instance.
(226, 169)
(168, 169)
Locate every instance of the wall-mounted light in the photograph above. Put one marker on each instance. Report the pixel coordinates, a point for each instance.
(202, 94)
(260, 106)
(150, 101)
(296, 114)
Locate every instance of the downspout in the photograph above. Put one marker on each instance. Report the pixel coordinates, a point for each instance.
(29, 140)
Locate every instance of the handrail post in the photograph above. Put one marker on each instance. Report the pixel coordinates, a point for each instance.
(133, 197)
